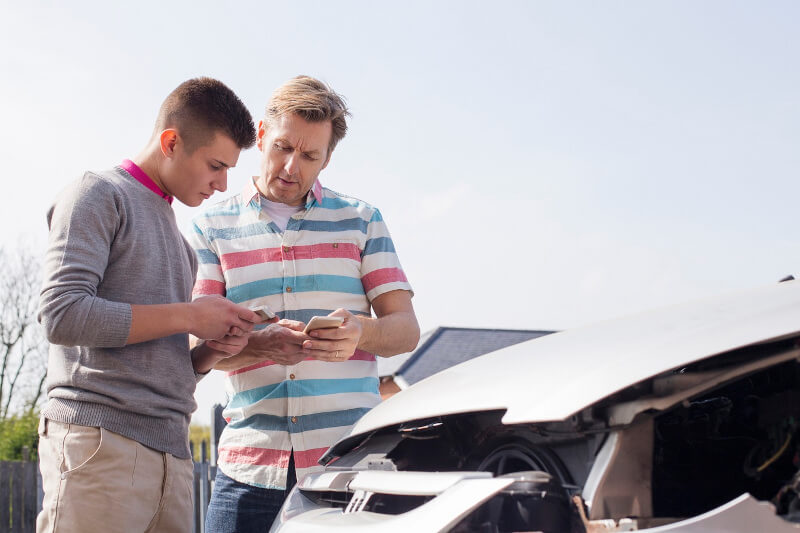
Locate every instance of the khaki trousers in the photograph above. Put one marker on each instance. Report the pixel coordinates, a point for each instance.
(98, 481)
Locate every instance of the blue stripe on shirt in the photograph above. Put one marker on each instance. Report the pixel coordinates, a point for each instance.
(319, 282)
(340, 202)
(207, 257)
(230, 233)
(347, 224)
(222, 210)
(303, 388)
(329, 419)
(304, 315)
(378, 244)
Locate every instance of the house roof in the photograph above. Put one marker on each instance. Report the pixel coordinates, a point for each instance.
(387, 366)
(446, 346)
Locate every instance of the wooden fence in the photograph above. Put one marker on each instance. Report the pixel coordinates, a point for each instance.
(21, 486)
(20, 494)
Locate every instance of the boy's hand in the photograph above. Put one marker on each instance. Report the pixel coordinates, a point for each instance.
(214, 317)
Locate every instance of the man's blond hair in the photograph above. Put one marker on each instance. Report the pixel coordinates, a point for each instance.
(313, 101)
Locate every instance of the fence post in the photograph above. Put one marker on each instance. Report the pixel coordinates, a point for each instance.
(17, 503)
(30, 496)
(5, 496)
(205, 493)
(217, 425)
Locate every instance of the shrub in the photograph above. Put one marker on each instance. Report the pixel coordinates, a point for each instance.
(18, 431)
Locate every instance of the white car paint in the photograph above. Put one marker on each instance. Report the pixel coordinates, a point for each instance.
(553, 377)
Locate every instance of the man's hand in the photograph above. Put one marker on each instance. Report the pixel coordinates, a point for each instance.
(214, 317)
(228, 345)
(281, 342)
(335, 344)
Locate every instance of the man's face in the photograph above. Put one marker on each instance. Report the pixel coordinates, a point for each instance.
(194, 177)
(293, 153)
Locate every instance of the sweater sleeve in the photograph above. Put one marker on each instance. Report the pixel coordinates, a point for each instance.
(83, 224)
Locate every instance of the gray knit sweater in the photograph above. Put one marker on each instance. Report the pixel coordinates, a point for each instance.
(114, 243)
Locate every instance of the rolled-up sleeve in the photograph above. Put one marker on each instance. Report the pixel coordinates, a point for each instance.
(380, 267)
(83, 223)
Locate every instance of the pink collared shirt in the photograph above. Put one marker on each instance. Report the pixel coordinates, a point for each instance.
(133, 169)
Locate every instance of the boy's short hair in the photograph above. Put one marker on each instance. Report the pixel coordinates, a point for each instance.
(312, 100)
(200, 107)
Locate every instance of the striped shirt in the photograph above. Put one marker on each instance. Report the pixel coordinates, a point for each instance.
(336, 252)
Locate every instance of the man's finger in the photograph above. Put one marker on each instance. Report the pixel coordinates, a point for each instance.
(294, 325)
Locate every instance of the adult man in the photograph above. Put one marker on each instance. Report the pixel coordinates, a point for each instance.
(303, 250)
(115, 305)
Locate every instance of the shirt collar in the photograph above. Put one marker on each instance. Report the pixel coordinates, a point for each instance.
(250, 192)
(139, 175)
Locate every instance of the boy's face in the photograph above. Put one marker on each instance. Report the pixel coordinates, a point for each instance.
(194, 177)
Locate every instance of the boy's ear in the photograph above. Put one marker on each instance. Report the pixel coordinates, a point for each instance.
(168, 140)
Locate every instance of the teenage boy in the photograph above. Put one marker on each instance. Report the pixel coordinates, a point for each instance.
(118, 276)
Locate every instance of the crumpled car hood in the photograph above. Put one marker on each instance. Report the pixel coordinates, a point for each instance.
(553, 377)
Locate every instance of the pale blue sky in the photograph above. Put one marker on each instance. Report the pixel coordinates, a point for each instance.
(540, 164)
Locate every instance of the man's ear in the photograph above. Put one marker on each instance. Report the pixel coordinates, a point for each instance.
(168, 140)
(262, 130)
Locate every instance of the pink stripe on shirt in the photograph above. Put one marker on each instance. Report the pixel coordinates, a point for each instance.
(359, 355)
(295, 253)
(267, 456)
(205, 287)
(382, 276)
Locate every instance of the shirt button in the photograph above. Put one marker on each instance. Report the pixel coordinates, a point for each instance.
(287, 249)
(291, 376)
(288, 289)
(294, 420)
(336, 245)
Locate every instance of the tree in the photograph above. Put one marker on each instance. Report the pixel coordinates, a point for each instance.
(23, 349)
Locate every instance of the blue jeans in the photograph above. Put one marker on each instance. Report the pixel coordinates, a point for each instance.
(240, 508)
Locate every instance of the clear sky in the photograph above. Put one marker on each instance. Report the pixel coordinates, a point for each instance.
(540, 164)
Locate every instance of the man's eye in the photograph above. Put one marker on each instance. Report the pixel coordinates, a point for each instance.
(215, 167)
(281, 147)
(309, 157)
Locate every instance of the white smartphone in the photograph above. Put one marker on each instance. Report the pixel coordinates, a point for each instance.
(321, 322)
(264, 312)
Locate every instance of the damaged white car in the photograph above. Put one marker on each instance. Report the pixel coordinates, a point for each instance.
(682, 419)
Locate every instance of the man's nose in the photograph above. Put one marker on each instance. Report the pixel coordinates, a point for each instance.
(291, 164)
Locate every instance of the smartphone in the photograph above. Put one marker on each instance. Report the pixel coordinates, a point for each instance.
(264, 312)
(321, 322)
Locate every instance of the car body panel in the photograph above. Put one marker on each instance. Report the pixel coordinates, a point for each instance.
(568, 371)
(742, 515)
(468, 491)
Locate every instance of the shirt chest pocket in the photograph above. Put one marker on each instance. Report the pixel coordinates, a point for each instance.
(337, 266)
